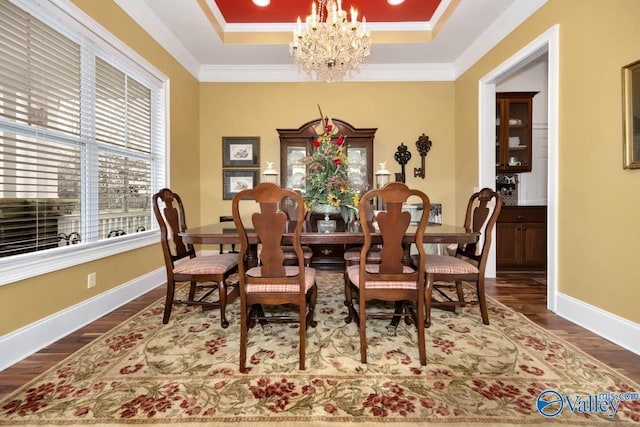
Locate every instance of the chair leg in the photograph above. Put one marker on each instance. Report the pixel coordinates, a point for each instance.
(303, 336)
(428, 294)
(482, 300)
(363, 335)
(348, 298)
(168, 303)
(222, 297)
(243, 337)
(313, 295)
(460, 290)
(422, 348)
(192, 291)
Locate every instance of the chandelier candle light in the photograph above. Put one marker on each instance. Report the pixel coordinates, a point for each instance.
(330, 46)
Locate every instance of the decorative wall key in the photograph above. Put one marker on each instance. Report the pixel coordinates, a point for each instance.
(402, 156)
(424, 145)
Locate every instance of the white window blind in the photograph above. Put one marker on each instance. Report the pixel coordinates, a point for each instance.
(81, 141)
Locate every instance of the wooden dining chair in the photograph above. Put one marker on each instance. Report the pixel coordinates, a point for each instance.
(446, 274)
(352, 255)
(289, 207)
(272, 283)
(391, 279)
(206, 274)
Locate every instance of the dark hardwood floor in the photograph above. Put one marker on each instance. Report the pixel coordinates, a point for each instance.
(525, 293)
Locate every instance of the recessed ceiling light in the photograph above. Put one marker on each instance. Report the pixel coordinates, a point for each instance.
(395, 2)
(263, 3)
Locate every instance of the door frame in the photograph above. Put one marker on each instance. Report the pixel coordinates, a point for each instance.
(547, 43)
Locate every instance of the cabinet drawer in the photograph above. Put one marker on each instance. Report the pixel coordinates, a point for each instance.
(523, 214)
(328, 257)
(328, 251)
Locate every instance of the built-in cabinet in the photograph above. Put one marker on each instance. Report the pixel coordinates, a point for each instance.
(296, 144)
(513, 131)
(521, 238)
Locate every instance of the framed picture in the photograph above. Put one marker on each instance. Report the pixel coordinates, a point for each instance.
(631, 115)
(241, 151)
(236, 180)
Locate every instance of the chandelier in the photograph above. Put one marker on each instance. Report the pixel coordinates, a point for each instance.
(331, 46)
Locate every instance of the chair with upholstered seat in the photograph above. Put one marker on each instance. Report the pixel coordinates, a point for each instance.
(206, 274)
(390, 280)
(289, 207)
(272, 283)
(352, 255)
(446, 274)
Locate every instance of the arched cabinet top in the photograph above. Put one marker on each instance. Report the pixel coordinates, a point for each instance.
(345, 128)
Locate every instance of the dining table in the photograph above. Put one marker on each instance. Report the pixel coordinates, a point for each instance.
(226, 233)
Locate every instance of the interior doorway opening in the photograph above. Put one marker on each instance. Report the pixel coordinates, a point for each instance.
(545, 45)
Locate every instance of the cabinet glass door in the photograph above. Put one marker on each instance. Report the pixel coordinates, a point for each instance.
(358, 167)
(296, 171)
(519, 134)
(513, 131)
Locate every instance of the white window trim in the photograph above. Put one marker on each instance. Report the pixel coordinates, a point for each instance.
(25, 266)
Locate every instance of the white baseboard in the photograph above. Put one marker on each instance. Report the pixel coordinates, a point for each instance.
(25, 341)
(609, 326)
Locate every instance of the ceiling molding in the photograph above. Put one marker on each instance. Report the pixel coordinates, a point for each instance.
(515, 15)
(147, 19)
(290, 73)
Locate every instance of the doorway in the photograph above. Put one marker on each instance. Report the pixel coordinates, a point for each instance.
(546, 44)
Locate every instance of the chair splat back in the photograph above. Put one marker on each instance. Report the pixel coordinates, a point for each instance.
(290, 207)
(270, 224)
(482, 213)
(174, 222)
(393, 225)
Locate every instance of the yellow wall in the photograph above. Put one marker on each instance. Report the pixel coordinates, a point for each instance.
(27, 301)
(598, 226)
(400, 111)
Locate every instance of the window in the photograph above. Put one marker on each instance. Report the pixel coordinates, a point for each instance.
(82, 144)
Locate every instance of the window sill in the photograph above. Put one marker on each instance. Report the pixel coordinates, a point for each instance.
(21, 267)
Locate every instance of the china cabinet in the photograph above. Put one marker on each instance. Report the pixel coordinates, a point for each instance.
(295, 144)
(513, 131)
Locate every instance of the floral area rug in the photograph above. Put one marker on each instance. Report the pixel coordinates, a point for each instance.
(144, 372)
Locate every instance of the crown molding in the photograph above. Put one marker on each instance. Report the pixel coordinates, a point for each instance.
(290, 73)
(513, 16)
(144, 16)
